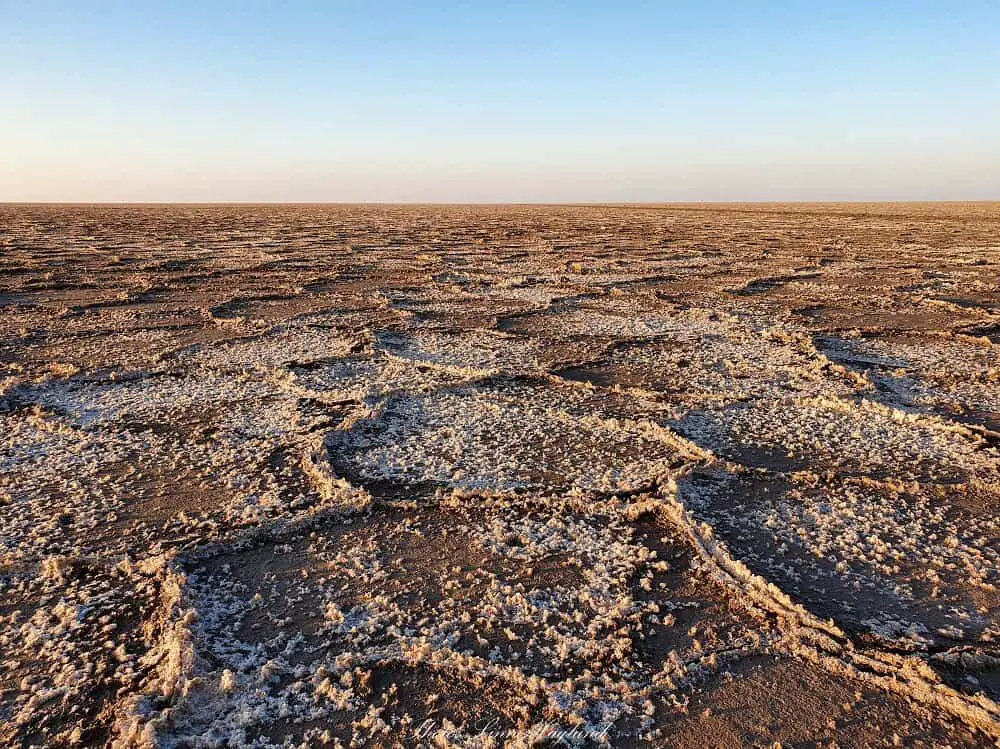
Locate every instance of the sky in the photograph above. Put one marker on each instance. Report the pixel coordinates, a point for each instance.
(499, 102)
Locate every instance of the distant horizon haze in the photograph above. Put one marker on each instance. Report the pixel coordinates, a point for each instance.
(668, 204)
(387, 102)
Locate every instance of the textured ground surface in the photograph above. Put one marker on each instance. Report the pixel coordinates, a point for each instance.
(378, 476)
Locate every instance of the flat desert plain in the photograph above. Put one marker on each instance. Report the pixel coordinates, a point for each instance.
(665, 476)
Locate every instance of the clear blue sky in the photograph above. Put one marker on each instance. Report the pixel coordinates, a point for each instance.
(511, 101)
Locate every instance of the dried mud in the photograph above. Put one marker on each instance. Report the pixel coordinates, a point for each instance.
(500, 476)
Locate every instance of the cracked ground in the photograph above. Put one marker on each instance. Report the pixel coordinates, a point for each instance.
(666, 476)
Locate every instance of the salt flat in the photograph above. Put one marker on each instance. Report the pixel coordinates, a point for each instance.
(680, 475)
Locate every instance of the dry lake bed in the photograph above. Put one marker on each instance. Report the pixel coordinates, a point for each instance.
(664, 476)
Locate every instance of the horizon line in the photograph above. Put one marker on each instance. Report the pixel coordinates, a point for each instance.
(539, 203)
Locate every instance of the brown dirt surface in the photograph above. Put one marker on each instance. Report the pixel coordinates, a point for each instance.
(487, 476)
